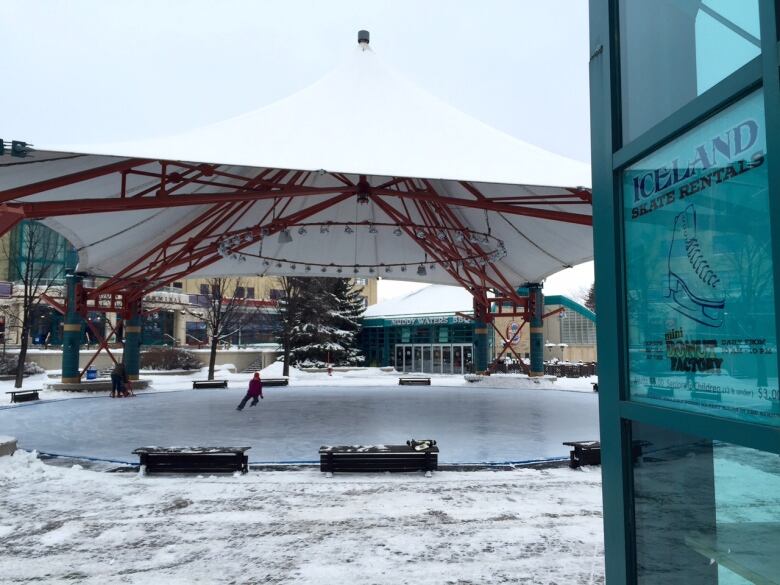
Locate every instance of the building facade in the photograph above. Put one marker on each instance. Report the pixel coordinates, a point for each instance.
(172, 314)
(685, 123)
(431, 331)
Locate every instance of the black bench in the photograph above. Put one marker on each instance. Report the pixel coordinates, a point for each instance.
(584, 453)
(414, 381)
(24, 395)
(375, 458)
(209, 384)
(275, 381)
(193, 459)
(589, 452)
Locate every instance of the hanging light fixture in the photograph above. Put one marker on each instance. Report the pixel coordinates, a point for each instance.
(285, 237)
(302, 231)
(421, 270)
(420, 234)
(372, 229)
(324, 229)
(397, 231)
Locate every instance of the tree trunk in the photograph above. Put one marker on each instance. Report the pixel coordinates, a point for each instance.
(213, 356)
(22, 353)
(286, 362)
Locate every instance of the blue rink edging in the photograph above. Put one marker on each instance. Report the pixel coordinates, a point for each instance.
(482, 464)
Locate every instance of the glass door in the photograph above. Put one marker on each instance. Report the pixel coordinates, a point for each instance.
(446, 359)
(417, 362)
(457, 359)
(399, 358)
(427, 365)
(437, 362)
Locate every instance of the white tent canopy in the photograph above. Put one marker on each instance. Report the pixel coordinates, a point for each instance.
(361, 123)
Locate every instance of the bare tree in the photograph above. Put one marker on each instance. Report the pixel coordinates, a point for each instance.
(36, 265)
(224, 311)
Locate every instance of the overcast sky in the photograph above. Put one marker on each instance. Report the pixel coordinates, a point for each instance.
(84, 71)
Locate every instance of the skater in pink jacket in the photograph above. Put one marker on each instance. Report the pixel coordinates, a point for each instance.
(254, 392)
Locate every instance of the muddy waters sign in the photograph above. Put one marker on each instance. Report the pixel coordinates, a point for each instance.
(699, 271)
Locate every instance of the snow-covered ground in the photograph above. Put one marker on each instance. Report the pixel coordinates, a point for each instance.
(63, 525)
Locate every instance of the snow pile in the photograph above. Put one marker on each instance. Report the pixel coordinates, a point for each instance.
(541, 383)
(299, 527)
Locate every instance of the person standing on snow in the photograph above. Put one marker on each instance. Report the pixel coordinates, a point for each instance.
(254, 392)
(118, 380)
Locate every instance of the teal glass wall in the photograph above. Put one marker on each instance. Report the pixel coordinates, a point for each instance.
(674, 50)
(706, 511)
(685, 129)
(699, 270)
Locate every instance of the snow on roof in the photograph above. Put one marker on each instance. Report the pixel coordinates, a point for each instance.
(362, 122)
(363, 117)
(435, 298)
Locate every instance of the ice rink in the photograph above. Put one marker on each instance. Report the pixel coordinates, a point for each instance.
(471, 424)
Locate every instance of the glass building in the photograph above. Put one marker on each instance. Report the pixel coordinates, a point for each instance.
(685, 118)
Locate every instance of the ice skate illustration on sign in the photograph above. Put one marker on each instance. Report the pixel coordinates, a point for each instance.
(694, 287)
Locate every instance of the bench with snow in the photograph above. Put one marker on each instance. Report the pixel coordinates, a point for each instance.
(589, 452)
(584, 453)
(414, 456)
(24, 395)
(209, 384)
(193, 459)
(275, 382)
(414, 381)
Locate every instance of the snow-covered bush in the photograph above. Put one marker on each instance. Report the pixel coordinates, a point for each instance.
(168, 358)
(8, 364)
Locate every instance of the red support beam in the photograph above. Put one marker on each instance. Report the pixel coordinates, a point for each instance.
(71, 179)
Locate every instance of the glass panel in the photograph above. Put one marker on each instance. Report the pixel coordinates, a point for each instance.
(436, 359)
(447, 360)
(427, 367)
(399, 358)
(699, 271)
(468, 364)
(408, 362)
(457, 359)
(673, 50)
(705, 512)
(418, 362)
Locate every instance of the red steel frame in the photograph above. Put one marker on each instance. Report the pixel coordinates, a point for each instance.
(229, 196)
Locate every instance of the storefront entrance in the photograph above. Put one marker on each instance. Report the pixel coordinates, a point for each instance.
(437, 358)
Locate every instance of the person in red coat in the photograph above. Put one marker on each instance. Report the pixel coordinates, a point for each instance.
(254, 392)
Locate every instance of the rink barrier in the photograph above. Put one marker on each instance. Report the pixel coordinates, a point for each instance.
(281, 465)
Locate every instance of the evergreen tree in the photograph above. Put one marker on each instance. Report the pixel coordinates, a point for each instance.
(326, 323)
(346, 320)
(590, 298)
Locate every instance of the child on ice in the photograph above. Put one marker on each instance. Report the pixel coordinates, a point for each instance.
(255, 390)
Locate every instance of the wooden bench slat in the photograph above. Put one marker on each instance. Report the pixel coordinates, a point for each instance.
(209, 384)
(275, 381)
(24, 395)
(369, 458)
(414, 381)
(193, 459)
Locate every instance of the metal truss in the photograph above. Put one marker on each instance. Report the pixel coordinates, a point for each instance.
(414, 204)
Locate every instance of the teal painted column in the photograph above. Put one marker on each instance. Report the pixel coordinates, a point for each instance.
(536, 300)
(132, 351)
(481, 346)
(71, 331)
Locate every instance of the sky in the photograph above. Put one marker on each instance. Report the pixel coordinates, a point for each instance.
(83, 71)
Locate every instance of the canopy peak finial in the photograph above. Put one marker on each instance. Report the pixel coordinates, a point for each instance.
(363, 38)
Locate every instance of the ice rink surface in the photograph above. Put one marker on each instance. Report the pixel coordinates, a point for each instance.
(471, 423)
